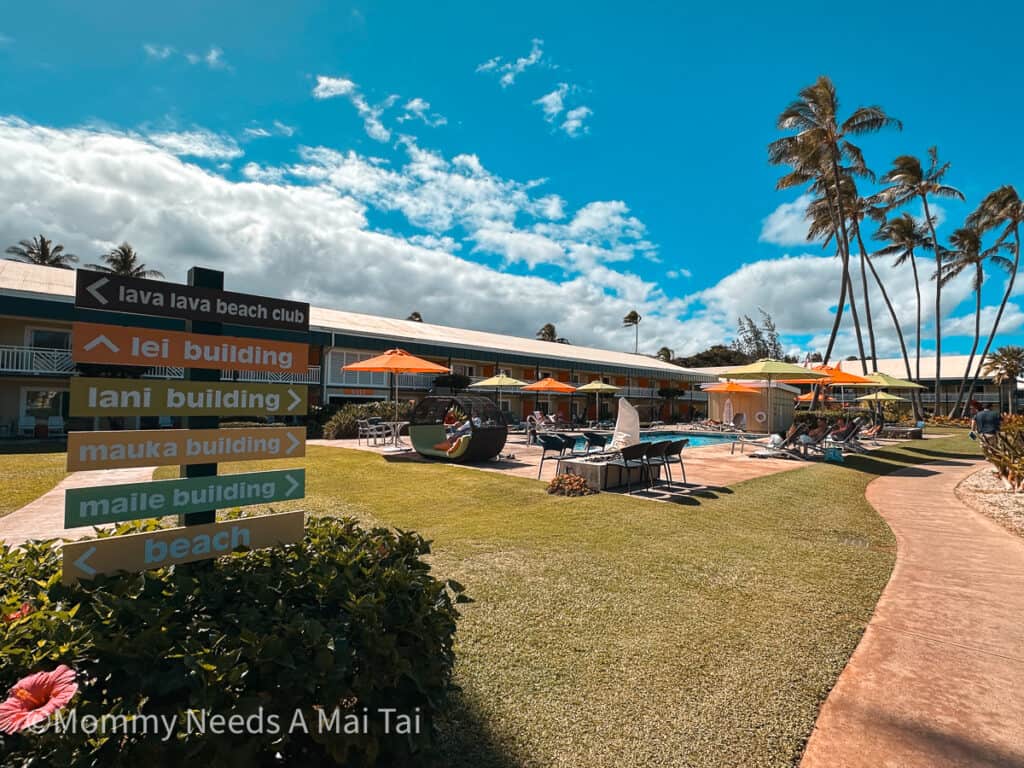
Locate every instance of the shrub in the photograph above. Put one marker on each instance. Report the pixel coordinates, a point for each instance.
(347, 618)
(342, 425)
(1005, 451)
(569, 485)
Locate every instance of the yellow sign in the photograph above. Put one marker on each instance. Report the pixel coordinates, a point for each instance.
(142, 397)
(174, 546)
(163, 447)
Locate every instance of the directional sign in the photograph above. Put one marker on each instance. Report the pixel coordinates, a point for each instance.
(137, 501)
(174, 546)
(117, 345)
(142, 397)
(98, 290)
(163, 447)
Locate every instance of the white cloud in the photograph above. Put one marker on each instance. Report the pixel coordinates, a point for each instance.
(257, 133)
(510, 70)
(573, 124)
(213, 58)
(282, 129)
(331, 87)
(197, 143)
(786, 225)
(277, 129)
(553, 103)
(434, 243)
(159, 52)
(257, 172)
(675, 274)
(419, 109)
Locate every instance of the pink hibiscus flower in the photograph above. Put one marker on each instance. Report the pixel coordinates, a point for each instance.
(21, 613)
(36, 697)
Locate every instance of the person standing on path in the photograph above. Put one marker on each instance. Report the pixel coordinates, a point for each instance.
(986, 422)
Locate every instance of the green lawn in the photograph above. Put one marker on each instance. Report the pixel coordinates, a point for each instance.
(611, 631)
(28, 471)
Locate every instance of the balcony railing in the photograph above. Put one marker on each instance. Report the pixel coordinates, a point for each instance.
(38, 361)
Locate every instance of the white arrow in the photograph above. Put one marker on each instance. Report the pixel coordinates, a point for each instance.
(101, 339)
(82, 565)
(295, 443)
(295, 399)
(293, 483)
(94, 289)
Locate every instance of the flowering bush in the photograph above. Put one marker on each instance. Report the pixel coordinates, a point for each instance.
(569, 485)
(348, 621)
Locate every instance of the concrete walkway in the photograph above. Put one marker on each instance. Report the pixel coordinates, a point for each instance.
(44, 517)
(938, 678)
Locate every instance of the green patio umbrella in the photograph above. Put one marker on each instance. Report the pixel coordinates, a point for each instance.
(770, 370)
(885, 381)
(879, 397)
(598, 387)
(499, 381)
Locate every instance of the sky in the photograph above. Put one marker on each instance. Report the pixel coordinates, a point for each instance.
(491, 166)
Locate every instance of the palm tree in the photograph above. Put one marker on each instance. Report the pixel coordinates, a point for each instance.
(910, 181)
(41, 251)
(906, 235)
(1006, 365)
(968, 254)
(547, 332)
(633, 320)
(819, 145)
(666, 355)
(416, 317)
(124, 261)
(1001, 208)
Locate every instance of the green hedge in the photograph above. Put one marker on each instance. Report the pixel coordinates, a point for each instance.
(349, 618)
(342, 425)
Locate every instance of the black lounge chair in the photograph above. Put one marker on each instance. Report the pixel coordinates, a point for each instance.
(553, 443)
(655, 457)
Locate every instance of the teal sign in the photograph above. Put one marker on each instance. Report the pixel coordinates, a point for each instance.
(137, 501)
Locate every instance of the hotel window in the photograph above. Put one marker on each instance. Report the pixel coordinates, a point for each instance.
(48, 338)
(545, 374)
(466, 370)
(43, 403)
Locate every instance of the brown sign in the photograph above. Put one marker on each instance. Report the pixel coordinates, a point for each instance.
(117, 345)
(174, 546)
(145, 397)
(167, 447)
(113, 293)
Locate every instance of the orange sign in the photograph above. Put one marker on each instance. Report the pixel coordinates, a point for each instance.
(118, 345)
(163, 447)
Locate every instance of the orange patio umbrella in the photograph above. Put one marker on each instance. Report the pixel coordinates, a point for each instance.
(396, 361)
(810, 396)
(732, 388)
(836, 377)
(550, 385)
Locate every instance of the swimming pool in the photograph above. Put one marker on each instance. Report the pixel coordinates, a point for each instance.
(697, 439)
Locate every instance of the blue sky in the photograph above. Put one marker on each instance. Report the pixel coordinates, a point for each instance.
(645, 183)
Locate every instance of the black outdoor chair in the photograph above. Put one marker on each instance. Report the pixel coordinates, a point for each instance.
(569, 445)
(631, 457)
(596, 440)
(655, 457)
(553, 443)
(673, 455)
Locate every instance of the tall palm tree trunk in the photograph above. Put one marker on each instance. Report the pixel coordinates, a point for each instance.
(974, 348)
(867, 301)
(841, 216)
(999, 316)
(895, 320)
(938, 304)
(856, 319)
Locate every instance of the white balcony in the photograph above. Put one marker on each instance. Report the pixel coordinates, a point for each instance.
(37, 361)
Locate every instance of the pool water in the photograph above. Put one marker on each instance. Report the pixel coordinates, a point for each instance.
(697, 439)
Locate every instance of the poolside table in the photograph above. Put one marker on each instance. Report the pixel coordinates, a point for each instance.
(396, 428)
(596, 473)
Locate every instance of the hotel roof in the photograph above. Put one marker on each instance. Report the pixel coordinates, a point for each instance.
(32, 281)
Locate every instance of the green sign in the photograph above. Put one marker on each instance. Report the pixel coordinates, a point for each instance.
(137, 501)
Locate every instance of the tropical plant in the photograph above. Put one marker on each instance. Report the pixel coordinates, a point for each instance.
(757, 341)
(1006, 366)
(966, 254)
(908, 180)
(665, 355)
(632, 320)
(713, 356)
(41, 251)
(820, 143)
(548, 333)
(1001, 208)
(416, 317)
(124, 260)
(906, 236)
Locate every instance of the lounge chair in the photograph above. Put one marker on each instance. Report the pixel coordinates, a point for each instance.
(846, 440)
(767, 441)
(55, 426)
(629, 458)
(789, 448)
(27, 426)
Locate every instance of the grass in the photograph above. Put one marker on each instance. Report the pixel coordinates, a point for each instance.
(612, 631)
(28, 471)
